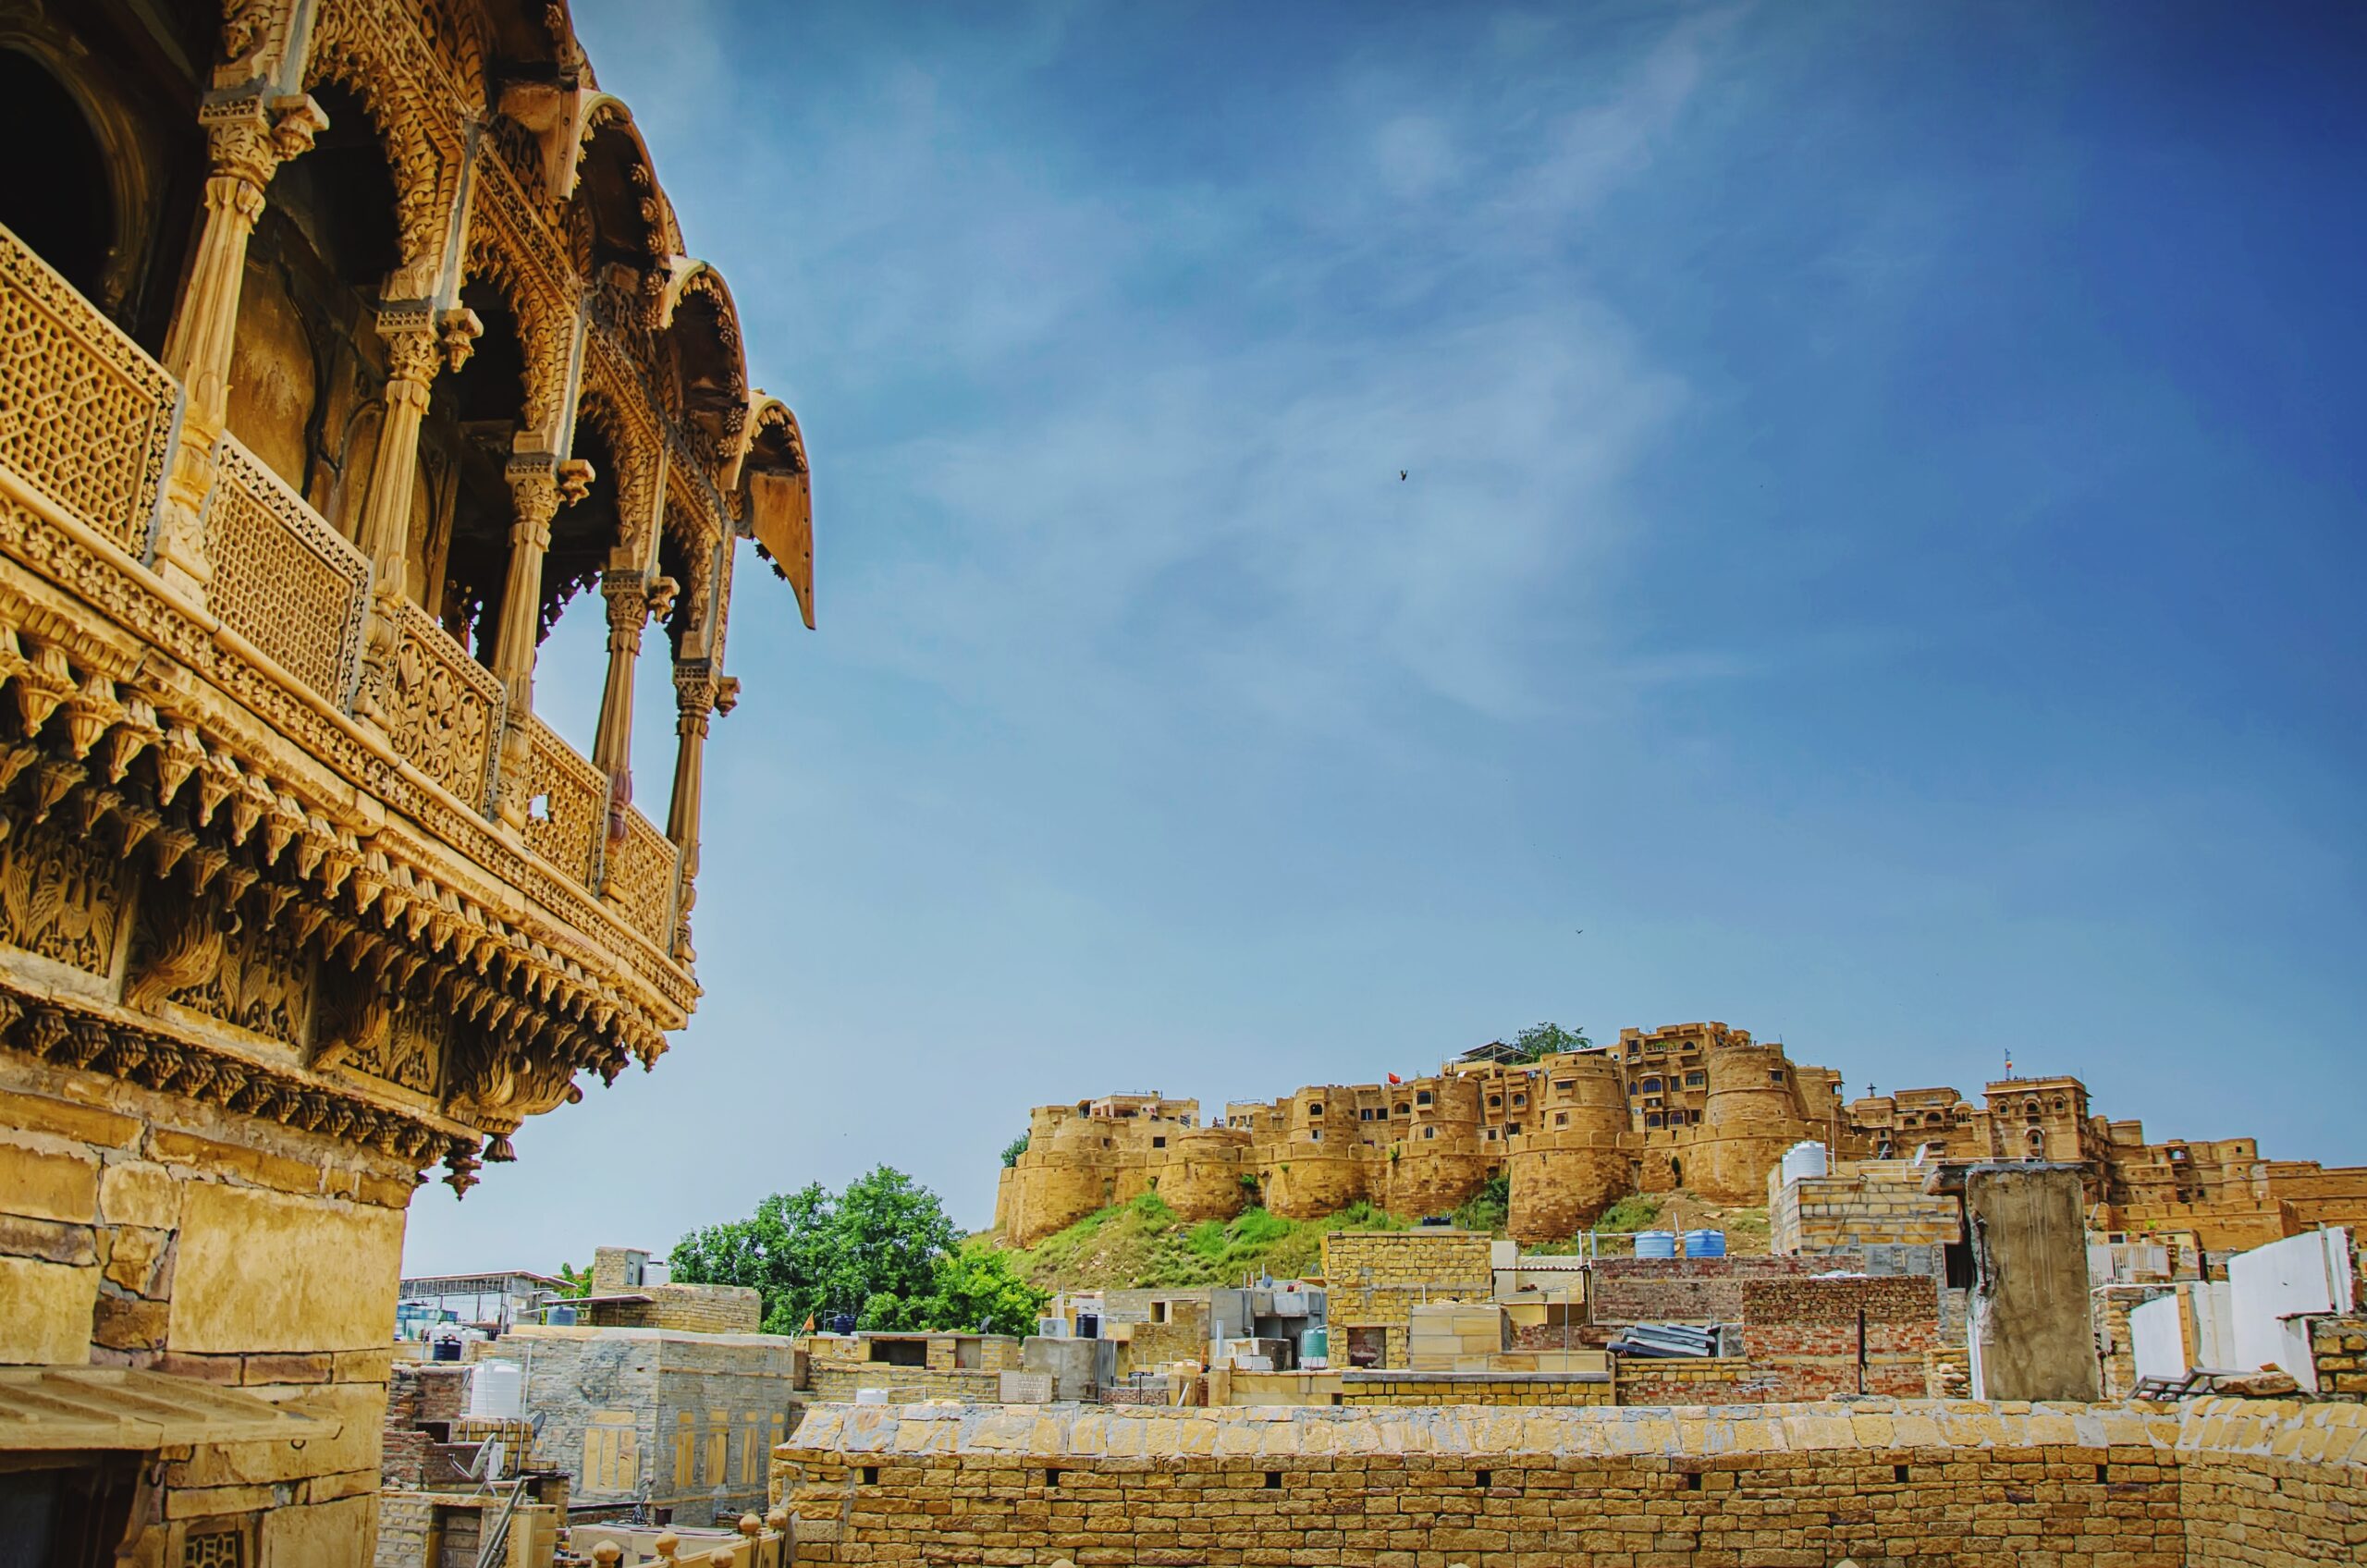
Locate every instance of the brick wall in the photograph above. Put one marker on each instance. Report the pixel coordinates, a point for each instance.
(1872, 1203)
(1683, 1289)
(1406, 1257)
(2338, 1350)
(1183, 1337)
(1783, 1487)
(1807, 1331)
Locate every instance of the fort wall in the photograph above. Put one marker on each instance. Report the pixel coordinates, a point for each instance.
(1924, 1482)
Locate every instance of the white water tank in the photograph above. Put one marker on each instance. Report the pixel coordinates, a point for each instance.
(495, 1388)
(1804, 1159)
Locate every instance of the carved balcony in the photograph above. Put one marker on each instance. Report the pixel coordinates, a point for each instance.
(251, 850)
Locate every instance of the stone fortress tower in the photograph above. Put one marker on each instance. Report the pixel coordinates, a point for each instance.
(1701, 1108)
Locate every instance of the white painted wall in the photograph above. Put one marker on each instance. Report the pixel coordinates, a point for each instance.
(2273, 1285)
(2157, 1337)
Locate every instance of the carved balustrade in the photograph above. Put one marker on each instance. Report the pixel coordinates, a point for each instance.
(442, 710)
(640, 878)
(86, 418)
(567, 804)
(283, 578)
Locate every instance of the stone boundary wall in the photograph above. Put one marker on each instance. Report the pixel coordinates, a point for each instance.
(1557, 1389)
(836, 1382)
(1696, 1380)
(2216, 1482)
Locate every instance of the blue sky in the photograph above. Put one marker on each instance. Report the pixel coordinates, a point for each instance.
(1879, 552)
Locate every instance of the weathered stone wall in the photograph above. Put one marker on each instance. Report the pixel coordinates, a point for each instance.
(1702, 1381)
(1560, 1390)
(142, 1229)
(2222, 1482)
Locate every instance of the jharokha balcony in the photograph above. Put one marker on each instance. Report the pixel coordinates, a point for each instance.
(321, 393)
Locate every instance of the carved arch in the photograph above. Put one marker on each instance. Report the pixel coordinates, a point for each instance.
(546, 327)
(700, 325)
(637, 469)
(627, 184)
(775, 483)
(354, 47)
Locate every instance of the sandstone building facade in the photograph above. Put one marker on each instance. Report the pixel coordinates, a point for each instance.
(1698, 1107)
(342, 342)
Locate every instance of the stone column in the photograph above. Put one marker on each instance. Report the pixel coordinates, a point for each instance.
(628, 595)
(534, 494)
(246, 142)
(412, 360)
(699, 693)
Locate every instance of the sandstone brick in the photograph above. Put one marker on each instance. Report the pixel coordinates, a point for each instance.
(42, 1184)
(136, 1192)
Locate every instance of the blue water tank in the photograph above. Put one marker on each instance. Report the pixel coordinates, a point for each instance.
(1705, 1243)
(1655, 1243)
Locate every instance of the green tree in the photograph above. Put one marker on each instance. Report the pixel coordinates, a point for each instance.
(574, 1283)
(1014, 1149)
(1541, 1040)
(871, 1251)
(975, 1287)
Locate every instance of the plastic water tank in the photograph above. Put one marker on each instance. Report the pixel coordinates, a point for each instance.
(1705, 1243)
(1315, 1344)
(1807, 1158)
(493, 1392)
(1655, 1243)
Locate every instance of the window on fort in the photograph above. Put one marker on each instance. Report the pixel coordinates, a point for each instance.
(1520, 1100)
(1495, 1102)
(1400, 1108)
(55, 202)
(1315, 1111)
(1512, 1131)
(1491, 1135)
(1653, 1119)
(1315, 1136)
(1364, 1115)
(1430, 1132)
(1158, 1143)
(1774, 1074)
(1421, 1096)
(1651, 1086)
(1696, 1079)
(1565, 1086)
(1561, 1119)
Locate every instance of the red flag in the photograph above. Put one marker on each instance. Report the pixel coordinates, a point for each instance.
(1395, 1079)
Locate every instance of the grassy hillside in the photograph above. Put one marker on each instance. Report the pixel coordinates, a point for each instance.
(1142, 1244)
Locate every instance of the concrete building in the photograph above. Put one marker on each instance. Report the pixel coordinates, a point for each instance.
(491, 1303)
(679, 1422)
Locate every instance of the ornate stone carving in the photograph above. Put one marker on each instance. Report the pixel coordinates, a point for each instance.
(283, 578)
(84, 415)
(61, 895)
(204, 954)
(441, 708)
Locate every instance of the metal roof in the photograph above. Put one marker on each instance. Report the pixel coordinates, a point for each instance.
(45, 1408)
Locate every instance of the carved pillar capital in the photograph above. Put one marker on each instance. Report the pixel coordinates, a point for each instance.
(534, 492)
(414, 354)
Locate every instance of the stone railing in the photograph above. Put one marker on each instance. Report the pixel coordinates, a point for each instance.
(86, 417)
(441, 708)
(283, 578)
(640, 877)
(567, 809)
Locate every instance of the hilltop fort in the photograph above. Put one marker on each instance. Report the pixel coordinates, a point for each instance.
(1698, 1107)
